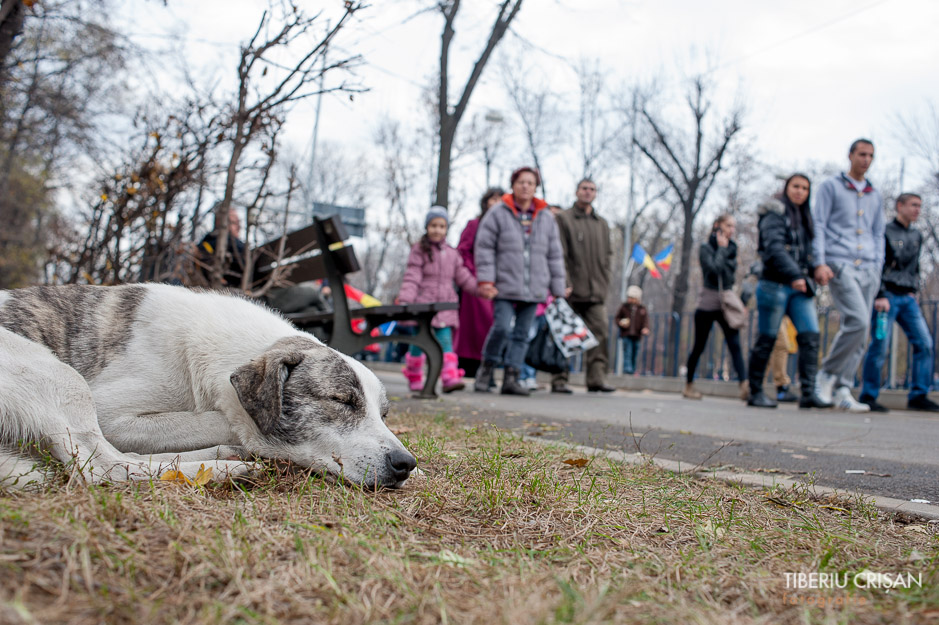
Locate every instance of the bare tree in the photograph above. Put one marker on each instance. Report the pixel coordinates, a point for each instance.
(449, 116)
(262, 99)
(536, 108)
(599, 130)
(60, 72)
(689, 162)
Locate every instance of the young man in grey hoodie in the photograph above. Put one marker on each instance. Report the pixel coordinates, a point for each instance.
(849, 249)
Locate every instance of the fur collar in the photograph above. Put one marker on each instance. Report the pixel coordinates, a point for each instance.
(771, 205)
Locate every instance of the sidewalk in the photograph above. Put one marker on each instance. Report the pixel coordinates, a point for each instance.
(890, 455)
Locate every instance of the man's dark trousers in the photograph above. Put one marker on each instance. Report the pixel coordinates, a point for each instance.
(596, 359)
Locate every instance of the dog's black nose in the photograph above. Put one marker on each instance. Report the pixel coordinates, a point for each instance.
(401, 464)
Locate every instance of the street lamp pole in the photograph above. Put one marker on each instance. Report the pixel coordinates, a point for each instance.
(630, 208)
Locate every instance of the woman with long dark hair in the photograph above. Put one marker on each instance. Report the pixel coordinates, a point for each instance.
(786, 288)
(718, 257)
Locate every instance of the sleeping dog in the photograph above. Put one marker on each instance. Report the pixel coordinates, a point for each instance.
(126, 382)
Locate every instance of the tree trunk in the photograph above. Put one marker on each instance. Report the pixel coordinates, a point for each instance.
(447, 132)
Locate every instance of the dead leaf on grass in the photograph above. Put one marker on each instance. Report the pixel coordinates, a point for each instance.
(576, 462)
(836, 508)
(401, 430)
(203, 477)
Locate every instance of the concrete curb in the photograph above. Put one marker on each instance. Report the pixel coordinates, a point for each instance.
(757, 480)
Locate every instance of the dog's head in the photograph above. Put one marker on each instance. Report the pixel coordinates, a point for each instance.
(321, 409)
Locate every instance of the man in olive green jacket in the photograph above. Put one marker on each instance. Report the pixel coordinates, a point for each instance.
(588, 259)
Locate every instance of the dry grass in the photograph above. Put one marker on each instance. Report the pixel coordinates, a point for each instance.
(498, 530)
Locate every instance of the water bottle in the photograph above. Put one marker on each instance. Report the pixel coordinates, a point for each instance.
(880, 326)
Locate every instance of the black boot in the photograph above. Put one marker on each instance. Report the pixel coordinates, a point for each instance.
(759, 356)
(484, 377)
(808, 368)
(510, 385)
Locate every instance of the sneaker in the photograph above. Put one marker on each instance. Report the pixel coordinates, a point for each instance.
(922, 403)
(844, 401)
(873, 403)
(530, 383)
(824, 386)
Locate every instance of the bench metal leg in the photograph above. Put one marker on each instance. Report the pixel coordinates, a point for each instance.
(427, 341)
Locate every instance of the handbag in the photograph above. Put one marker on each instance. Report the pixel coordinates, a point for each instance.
(570, 332)
(733, 308)
(544, 354)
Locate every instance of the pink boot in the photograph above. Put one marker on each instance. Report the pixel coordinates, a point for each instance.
(414, 371)
(451, 376)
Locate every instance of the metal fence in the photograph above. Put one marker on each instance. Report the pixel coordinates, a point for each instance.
(661, 354)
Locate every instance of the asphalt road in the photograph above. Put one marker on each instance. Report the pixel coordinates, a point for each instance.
(898, 452)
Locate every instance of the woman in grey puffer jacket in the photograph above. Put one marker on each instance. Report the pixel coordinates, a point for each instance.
(519, 259)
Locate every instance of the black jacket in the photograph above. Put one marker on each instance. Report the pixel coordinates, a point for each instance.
(785, 249)
(718, 262)
(901, 261)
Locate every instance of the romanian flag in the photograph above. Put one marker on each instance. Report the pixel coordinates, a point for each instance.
(664, 258)
(641, 257)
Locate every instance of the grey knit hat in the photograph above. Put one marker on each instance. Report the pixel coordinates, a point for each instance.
(434, 212)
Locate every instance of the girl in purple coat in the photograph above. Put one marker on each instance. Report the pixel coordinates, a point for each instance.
(433, 266)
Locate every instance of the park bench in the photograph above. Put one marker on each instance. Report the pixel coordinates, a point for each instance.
(321, 251)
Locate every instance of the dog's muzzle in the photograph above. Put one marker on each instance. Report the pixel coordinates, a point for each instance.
(399, 464)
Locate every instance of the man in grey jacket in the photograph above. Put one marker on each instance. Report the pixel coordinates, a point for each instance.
(849, 252)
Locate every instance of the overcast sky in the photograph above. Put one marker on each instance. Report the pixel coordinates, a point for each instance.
(815, 75)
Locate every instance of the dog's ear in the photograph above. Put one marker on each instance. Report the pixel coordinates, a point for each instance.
(260, 386)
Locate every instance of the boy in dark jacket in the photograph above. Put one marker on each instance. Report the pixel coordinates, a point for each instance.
(897, 301)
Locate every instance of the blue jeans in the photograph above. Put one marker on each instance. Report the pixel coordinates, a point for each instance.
(528, 372)
(630, 353)
(775, 300)
(502, 332)
(904, 309)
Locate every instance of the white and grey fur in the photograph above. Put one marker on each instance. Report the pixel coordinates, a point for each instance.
(125, 382)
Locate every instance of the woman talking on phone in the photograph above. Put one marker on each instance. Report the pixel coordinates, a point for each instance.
(786, 288)
(718, 258)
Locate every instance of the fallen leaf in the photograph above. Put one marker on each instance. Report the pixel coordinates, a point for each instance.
(836, 508)
(203, 476)
(577, 462)
(175, 476)
(401, 430)
(662, 530)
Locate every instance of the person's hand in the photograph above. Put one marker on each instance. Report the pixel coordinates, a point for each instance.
(882, 304)
(624, 322)
(645, 331)
(568, 291)
(722, 239)
(799, 285)
(487, 291)
(823, 274)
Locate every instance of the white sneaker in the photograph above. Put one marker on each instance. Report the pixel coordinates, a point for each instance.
(825, 385)
(844, 401)
(530, 383)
